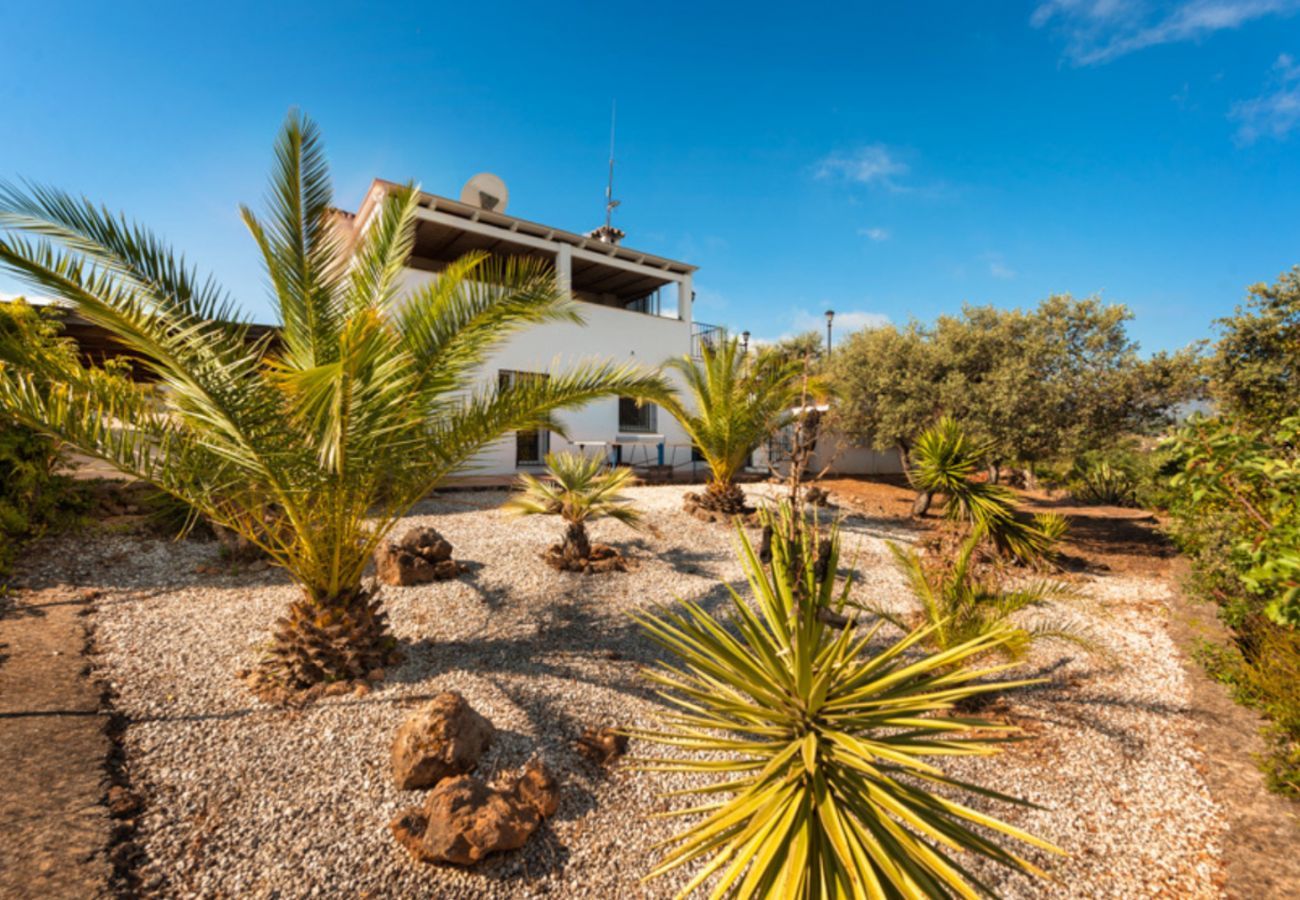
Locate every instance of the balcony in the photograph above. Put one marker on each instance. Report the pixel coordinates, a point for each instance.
(703, 335)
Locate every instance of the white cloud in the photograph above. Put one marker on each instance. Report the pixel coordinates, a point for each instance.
(998, 267)
(875, 234)
(1276, 113)
(845, 322)
(872, 164)
(1097, 31)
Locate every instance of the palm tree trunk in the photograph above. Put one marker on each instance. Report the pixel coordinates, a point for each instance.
(921, 504)
(725, 497)
(345, 638)
(577, 545)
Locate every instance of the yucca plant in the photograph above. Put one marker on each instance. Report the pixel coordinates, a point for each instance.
(579, 489)
(314, 441)
(960, 600)
(734, 401)
(1103, 483)
(823, 745)
(944, 459)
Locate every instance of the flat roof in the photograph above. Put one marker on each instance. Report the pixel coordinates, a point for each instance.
(515, 225)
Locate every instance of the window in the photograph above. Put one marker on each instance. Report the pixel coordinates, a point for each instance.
(635, 418)
(649, 304)
(530, 446)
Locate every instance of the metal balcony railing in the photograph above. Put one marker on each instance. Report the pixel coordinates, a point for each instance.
(703, 335)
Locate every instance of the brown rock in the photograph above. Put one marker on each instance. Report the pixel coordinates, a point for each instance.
(427, 543)
(537, 787)
(463, 820)
(467, 820)
(602, 746)
(443, 738)
(421, 555)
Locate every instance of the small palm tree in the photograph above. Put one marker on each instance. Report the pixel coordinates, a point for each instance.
(734, 401)
(580, 489)
(814, 746)
(944, 460)
(313, 442)
(959, 603)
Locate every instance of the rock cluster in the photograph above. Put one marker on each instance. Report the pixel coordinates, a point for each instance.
(817, 496)
(421, 555)
(463, 819)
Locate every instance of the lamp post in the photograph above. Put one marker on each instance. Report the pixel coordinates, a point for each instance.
(830, 317)
(744, 341)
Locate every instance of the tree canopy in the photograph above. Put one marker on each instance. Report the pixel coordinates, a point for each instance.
(1061, 378)
(1255, 369)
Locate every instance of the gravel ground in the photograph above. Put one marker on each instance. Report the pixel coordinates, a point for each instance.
(245, 800)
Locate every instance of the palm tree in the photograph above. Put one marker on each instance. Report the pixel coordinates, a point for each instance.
(734, 401)
(311, 442)
(580, 489)
(961, 602)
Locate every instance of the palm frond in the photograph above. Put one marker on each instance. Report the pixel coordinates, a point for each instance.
(314, 442)
(734, 402)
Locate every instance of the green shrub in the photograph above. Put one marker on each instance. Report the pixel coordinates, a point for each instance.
(1133, 472)
(1236, 513)
(34, 497)
(1263, 671)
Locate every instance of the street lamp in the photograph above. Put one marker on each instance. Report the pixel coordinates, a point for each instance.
(744, 341)
(830, 317)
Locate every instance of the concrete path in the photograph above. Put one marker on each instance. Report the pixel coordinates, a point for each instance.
(54, 827)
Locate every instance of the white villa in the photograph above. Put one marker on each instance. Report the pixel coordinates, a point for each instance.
(636, 307)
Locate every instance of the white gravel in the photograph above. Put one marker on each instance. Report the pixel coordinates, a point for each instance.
(249, 801)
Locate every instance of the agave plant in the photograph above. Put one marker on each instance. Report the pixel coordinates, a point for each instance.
(579, 489)
(1105, 484)
(311, 442)
(943, 461)
(960, 601)
(824, 746)
(734, 401)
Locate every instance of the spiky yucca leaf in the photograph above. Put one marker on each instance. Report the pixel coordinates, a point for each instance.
(824, 746)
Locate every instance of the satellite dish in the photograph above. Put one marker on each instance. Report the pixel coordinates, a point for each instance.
(486, 191)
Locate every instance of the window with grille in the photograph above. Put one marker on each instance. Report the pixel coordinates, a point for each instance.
(635, 418)
(531, 447)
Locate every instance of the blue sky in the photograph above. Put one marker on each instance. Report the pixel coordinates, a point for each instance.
(888, 163)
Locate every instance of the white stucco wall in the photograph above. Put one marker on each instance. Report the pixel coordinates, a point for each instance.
(844, 458)
(608, 334)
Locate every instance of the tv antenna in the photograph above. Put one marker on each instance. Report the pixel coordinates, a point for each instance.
(607, 233)
(609, 189)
